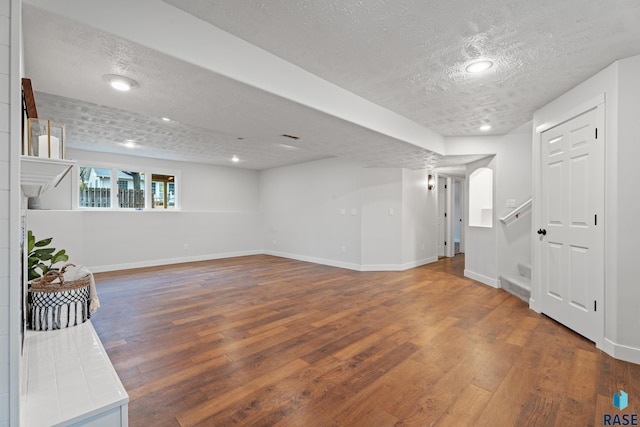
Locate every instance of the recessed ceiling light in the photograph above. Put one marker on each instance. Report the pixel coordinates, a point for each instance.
(479, 66)
(120, 83)
(235, 159)
(166, 119)
(129, 143)
(485, 128)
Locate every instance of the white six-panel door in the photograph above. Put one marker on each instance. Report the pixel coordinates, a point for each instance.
(571, 231)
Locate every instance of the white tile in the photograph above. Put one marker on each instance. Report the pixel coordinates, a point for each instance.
(4, 88)
(4, 351)
(5, 57)
(4, 176)
(4, 117)
(5, 30)
(4, 369)
(4, 201)
(4, 404)
(4, 148)
(5, 7)
(4, 407)
(4, 263)
(4, 321)
(4, 234)
(4, 289)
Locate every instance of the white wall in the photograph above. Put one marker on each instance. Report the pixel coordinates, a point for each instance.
(490, 253)
(204, 188)
(218, 218)
(336, 212)
(419, 225)
(311, 211)
(628, 176)
(10, 254)
(5, 157)
(105, 241)
(481, 250)
(382, 215)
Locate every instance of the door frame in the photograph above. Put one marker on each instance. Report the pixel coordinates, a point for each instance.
(462, 196)
(597, 103)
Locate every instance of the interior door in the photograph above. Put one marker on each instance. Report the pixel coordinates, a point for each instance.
(571, 235)
(441, 218)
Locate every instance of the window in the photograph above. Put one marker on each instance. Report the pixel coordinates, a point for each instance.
(95, 187)
(131, 189)
(163, 190)
(125, 188)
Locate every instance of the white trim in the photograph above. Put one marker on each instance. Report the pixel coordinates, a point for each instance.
(354, 266)
(535, 302)
(517, 211)
(573, 112)
(621, 352)
(398, 267)
(157, 262)
(494, 283)
(315, 260)
(148, 172)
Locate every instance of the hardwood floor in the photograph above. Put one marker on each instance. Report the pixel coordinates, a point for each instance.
(267, 341)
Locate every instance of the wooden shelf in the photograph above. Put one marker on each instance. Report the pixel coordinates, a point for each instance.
(37, 175)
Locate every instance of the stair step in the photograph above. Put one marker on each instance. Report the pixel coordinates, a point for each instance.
(519, 286)
(524, 270)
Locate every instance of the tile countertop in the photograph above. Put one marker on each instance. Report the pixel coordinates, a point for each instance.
(67, 377)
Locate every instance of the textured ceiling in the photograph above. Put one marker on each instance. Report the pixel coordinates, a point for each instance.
(406, 56)
(409, 55)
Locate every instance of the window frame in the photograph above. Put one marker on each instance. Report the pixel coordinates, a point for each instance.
(148, 172)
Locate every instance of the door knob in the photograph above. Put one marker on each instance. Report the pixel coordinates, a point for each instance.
(542, 231)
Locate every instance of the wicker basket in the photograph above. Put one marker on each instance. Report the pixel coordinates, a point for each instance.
(55, 303)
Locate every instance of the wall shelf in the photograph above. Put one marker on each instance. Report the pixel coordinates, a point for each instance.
(37, 175)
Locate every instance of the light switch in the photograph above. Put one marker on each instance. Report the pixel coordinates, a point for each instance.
(343, 211)
(391, 211)
(354, 211)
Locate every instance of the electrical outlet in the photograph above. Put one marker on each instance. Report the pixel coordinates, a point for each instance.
(354, 211)
(344, 249)
(343, 211)
(511, 203)
(186, 246)
(391, 212)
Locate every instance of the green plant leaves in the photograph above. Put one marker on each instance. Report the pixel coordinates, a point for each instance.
(40, 258)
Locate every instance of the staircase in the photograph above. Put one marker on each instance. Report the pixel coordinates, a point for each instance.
(519, 285)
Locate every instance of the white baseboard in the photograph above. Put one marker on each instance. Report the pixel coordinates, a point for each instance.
(315, 260)
(398, 267)
(482, 279)
(353, 266)
(157, 262)
(622, 352)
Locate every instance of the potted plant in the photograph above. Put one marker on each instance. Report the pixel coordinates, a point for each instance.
(41, 258)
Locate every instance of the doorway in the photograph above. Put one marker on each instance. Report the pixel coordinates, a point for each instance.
(451, 211)
(570, 238)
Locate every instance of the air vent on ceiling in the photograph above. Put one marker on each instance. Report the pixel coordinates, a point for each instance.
(290, 136)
